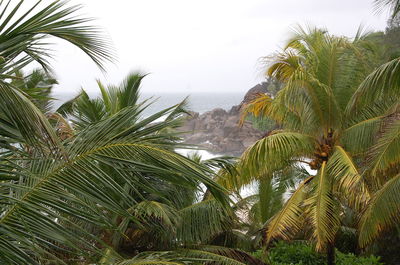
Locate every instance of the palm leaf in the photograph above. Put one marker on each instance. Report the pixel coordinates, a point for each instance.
(29, 121)
(274, 152)
(347, 179)
(204, 220)
(323, 210)
(79, 188)
(382, 83)
(26, 34)
(393, 5)
(382, 212)
(384, 154)
(22, 41)
(288, 221)
(359, 137)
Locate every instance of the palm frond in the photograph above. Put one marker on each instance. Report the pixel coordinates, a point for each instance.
(384, 154)
(37, 85)
(23, 41)
(39, 208)
(257, 107)
(156, 214)
(204, 220)
(274, 152)
(347, 179)
(393, 5)
(323, 210)
(381, 84)
(359, 137)
(181, 109)
(288, 221)
(128, 91)
(31, 124)
(382, 212)
(26, 33)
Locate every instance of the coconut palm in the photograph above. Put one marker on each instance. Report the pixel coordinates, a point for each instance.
(67, 197)
(24, 38)
(84, 111)
(170, 202)
(37, 85)
(53, 189)
(159, 205)
(320, 73)
(115, 178)
(381, 88)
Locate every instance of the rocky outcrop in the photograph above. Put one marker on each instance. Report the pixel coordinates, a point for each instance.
(218, 130)
(254, 91)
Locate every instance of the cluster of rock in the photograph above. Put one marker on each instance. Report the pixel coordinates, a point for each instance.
(218, 131)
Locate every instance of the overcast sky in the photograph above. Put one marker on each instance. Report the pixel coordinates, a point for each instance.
(201, 45)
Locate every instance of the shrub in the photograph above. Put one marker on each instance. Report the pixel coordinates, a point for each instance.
(300, 253)
(351, 259)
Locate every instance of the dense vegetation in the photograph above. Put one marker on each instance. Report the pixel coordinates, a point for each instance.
(301, 253)
(96, 182)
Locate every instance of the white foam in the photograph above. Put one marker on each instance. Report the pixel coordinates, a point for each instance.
(203, 153)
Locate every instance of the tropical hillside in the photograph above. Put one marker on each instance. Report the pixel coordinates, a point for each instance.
(96, 181)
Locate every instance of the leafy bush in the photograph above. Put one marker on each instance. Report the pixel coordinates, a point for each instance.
(351, 259)
(303, 254)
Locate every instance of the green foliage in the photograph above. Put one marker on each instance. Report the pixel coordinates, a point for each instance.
(25, 34)
(300, 253)
(351, 259)
(337, 112)
(261, 123)
(37, 85)
(201, 256)
(109, 184)
(295, 253)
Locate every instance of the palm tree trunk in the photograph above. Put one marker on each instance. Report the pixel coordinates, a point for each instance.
(330, 254)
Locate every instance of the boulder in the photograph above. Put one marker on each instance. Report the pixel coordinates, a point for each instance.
(218, 130)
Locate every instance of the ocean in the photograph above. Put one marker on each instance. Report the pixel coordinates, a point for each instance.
(198, 102)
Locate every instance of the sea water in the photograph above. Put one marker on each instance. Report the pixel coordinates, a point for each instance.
(198, 102)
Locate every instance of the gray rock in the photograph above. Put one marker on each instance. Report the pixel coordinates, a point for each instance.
(218, 131)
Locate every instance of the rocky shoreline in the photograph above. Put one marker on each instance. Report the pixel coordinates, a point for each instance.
(218, 131)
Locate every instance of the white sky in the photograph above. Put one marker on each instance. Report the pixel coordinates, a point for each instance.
(201, 45)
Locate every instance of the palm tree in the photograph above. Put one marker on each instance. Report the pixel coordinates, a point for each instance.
(120, 189)
(37, 85)
(48, 204)
(263, 198)
(126, 169)
(171, 218)
(69, 193)
(393, 5)
(84, 111)
(320, 73)
(52, 188)
(381, 88)
(24, 38)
